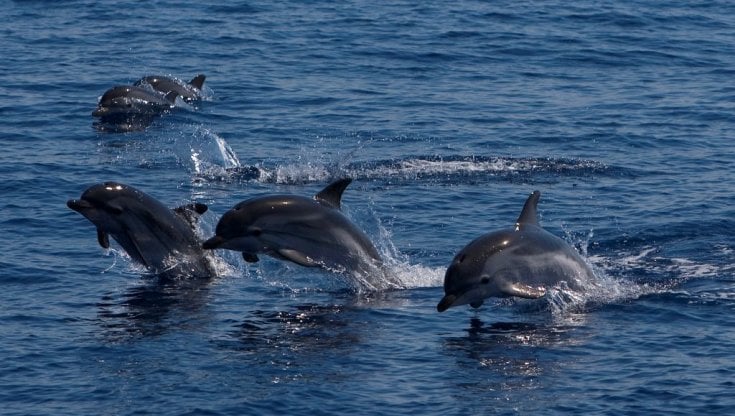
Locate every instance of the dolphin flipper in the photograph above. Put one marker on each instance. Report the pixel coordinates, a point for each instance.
(523, 291)
(529, 214)
(103, 238)
(331, 195)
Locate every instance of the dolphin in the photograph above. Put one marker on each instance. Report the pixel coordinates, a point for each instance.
(522, 261)
(159, 238)
(189, 92)
(124, 100)
(311, 232)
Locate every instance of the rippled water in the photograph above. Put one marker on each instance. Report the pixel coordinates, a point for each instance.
(447, 116)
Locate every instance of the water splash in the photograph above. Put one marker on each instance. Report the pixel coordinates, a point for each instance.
(438, 169)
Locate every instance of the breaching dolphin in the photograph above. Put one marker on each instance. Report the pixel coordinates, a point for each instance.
(159, 238)
(522, 261)
(124, 100)
(189, 92)
(311, 232)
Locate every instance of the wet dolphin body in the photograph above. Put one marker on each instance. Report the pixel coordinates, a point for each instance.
(522, 261)
(311, 232)
(126, 99)
(190, 91)
(153, 235)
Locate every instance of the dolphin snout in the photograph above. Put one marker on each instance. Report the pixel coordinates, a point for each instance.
(100, 111)
(213, 243)
(446, 303)
(78, 205)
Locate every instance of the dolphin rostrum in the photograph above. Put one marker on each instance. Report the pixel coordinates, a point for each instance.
(310, 232)
(153, 235)
(189, 92)
(522, 261)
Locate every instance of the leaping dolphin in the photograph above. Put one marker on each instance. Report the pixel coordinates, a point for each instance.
(125, 100)
(159, 238)
(522, 261)
(311, 232)
(189, 92)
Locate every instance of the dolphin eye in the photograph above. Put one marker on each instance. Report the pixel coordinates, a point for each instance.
(461, 258)
(485, 280)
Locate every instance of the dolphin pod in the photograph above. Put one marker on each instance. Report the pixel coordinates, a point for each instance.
(134, 107)
(161, 239)
(522, 261)
(311, 232)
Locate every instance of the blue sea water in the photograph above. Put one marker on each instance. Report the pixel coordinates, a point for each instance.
(447, 115)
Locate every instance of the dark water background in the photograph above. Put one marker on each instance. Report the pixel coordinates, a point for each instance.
(446, 114)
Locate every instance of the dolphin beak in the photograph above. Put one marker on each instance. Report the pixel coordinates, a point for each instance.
(78, 205)
(100, 111)
(446, 303)
(213, 243)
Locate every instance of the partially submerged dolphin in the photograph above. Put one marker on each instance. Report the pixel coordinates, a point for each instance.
(189, 92)
(159, 238)
(311, 232)
(522, 261)
(125, 100)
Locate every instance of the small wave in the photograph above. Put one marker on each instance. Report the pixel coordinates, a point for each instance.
(432, 168)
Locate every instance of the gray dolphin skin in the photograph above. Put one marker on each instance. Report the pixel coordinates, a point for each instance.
(311, 232)
(189, 92)
(153, 235)
(522, 261)
(125, 100)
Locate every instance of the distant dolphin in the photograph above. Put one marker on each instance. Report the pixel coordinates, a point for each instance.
(125, 100)
(191, 91)
(311, 232)
(159, 238)
(522, 261)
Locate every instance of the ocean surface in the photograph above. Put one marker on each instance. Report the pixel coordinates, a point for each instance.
(446, 115)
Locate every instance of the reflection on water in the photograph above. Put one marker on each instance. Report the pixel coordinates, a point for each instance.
(123, 123)
(509, 356)
(153, 309)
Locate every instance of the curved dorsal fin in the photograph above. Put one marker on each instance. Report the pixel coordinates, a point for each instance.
(529, 215)
(197, 82)
(171, 97)
(331, 195)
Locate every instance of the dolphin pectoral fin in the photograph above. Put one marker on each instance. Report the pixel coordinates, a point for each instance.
(331, 195)
(249, 257)
(198, 81)
(296, 257)
(476, 304)
(523, 291)
(103, 239)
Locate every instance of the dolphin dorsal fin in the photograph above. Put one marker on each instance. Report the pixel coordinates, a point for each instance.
(529, 215)
(198, 81)
(331, 195)
(171, 97)
(191, 212)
